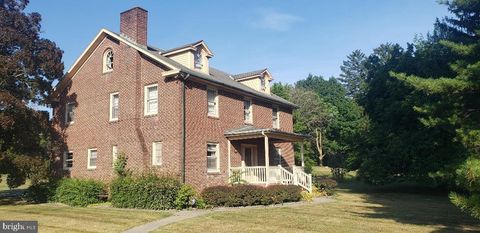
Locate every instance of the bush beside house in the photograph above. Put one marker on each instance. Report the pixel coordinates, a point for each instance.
(247, 195)
(77, 192)
(145, 192)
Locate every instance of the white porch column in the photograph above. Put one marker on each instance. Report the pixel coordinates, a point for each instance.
(301, 153)
(228, 151)
(267, 160)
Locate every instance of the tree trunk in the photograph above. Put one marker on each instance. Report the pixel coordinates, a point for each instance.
(318, 142)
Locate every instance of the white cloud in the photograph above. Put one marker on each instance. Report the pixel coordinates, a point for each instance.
(275, 20)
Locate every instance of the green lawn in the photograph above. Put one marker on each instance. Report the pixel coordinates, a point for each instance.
(357, 208)
(60, 218)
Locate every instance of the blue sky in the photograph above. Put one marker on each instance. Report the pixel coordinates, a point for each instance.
(291, 38)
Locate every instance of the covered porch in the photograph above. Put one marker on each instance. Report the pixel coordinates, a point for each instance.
(265, 156)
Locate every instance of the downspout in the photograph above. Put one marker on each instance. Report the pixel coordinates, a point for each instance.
(183, 77)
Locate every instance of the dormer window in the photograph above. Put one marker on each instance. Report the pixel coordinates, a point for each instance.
(262, 82)
(198, 58)
(108, 60)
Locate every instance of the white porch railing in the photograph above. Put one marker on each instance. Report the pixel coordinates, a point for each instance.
(276, 175)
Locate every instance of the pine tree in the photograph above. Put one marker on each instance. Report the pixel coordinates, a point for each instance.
(458, 97)
(354, 74)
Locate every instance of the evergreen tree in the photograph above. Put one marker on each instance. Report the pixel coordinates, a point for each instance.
(354, 73)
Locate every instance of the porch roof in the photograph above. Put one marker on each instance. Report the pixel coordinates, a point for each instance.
(249, 132)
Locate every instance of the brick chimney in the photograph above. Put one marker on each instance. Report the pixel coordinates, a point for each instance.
(133, 24)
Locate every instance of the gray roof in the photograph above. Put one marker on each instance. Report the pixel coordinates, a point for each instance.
(248, 74)
(251, 130)
(181, 47)
(216, 76)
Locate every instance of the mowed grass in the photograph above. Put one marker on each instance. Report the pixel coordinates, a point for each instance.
(54, 217)
(356, 208)
(59, 218)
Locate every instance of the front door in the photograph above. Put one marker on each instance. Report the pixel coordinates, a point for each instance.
(249, 155)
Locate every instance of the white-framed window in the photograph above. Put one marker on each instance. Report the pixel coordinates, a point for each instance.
(151, 99)
(278, 156)
(275, 117)
(213, 157)
(198, 60)
(114, 154)
(247, 111)
(92, 158)
(212, 97)
(263, 84)
(69, 113)
(114, 106)
(156, 153)
(67, 160)
(108, 60)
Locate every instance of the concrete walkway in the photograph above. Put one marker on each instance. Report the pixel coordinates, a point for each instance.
(186, 214)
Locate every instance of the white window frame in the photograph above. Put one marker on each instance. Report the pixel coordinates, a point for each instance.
(217, 155)
(215, 114)
(66, 113)
(278, 155)
(198, 58)
(157, 159)
(250, 109)
(146, 99)
(276, 125)
(90, 167)
(105, 69)
(114, 154)
(111, 118)
(65, 160)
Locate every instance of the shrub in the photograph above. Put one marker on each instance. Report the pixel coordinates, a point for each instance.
(246, 195)
(120, 165)
(40, 192)
(187, 197)
(306, 196)
(147, 191)
(77, 192)
(325, 185)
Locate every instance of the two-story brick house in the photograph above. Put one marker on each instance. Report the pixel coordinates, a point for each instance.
(170, 111)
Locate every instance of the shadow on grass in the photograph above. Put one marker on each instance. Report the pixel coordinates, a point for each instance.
(412, 204)
(12, 197)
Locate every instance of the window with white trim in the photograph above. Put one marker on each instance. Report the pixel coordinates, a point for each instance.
(114, 106)
(263, 82)
(212, 96)
(69, 112)
(114, 154)
(151, 99)
(92, 158)
(278, 156)
(213, 160)
(198, 60)
(247, 111)
(275, 118)
(157, 153)
(67, 160)
(108, 60)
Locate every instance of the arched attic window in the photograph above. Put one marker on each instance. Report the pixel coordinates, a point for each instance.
(108, 60)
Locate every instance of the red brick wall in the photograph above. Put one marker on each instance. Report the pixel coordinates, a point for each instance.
(202, 129)
(132, 133)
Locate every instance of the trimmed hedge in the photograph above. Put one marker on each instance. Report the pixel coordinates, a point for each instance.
(325, 185)
(247, 195)
(145, 192)
(76, 192)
